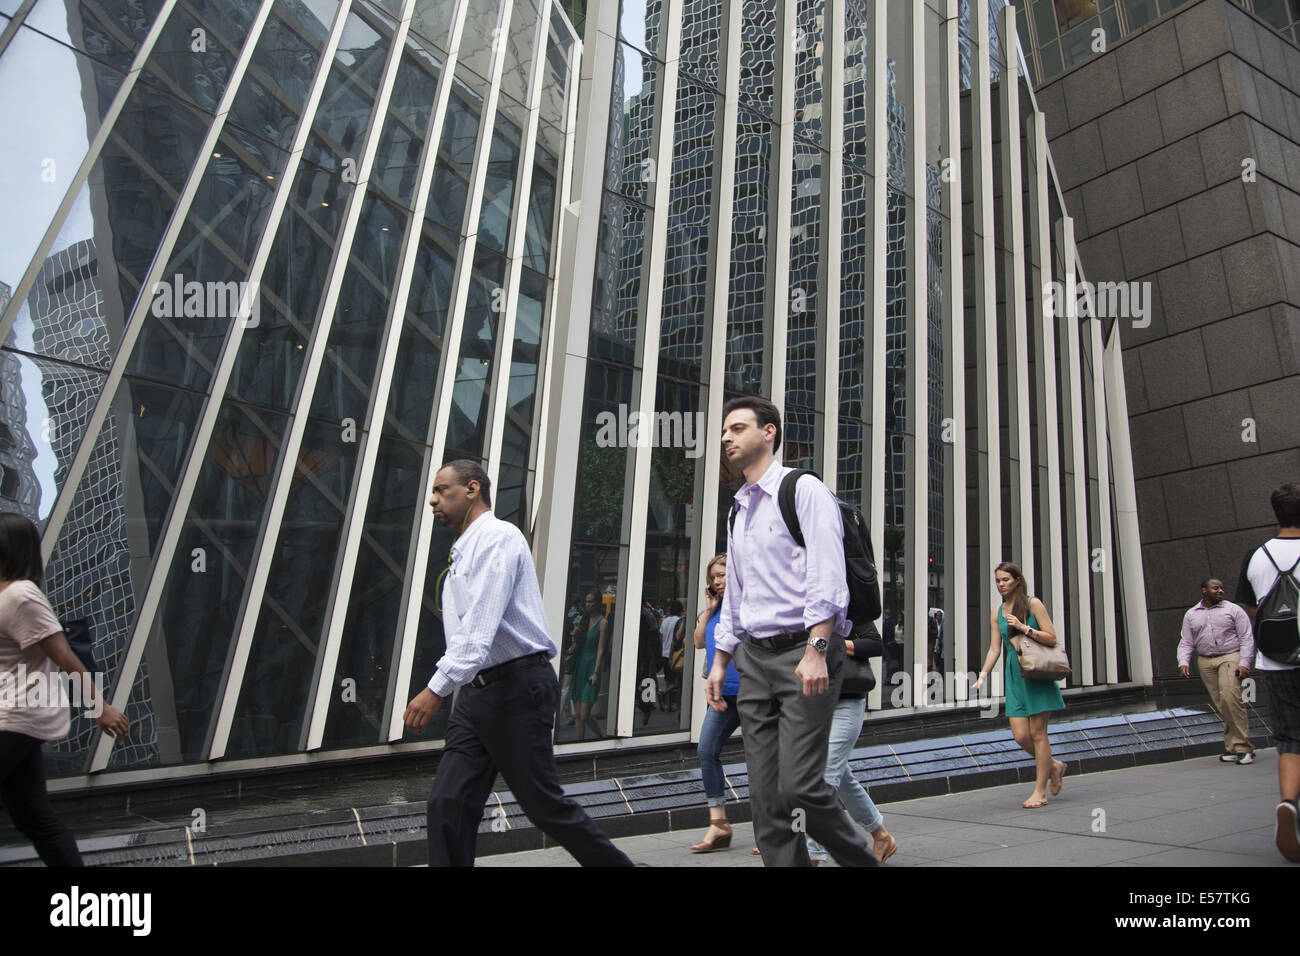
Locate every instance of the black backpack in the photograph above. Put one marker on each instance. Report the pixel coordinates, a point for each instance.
(1277, 630)
(859, 558)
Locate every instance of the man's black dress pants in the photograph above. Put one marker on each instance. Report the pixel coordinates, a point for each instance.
(507, 726)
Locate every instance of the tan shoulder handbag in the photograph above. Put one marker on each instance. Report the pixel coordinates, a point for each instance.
(1040, 662)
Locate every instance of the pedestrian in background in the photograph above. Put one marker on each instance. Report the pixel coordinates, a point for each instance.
(718, 725)
(33, 647)
(1029, 702)
(1261, 572)
(1219, 633)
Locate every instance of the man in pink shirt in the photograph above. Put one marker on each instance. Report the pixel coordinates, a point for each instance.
(1220, 634)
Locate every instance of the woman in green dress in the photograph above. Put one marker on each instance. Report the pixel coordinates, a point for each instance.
(585, 685)
(1029, 701)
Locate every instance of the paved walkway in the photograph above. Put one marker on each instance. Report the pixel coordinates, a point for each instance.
(1195, 813)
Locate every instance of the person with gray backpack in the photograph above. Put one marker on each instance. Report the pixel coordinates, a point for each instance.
(1269, 590)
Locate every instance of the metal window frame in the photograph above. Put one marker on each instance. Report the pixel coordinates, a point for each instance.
(916, 437)
(782, 203)
(877, 251)
(1075, 463)
(828, 383)
(1016, 331)
(956, 616)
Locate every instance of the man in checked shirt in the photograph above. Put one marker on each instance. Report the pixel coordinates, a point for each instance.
(498, 652)
(1221, 635)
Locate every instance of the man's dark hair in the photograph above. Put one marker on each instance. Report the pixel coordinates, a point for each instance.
(1206, 583)
(675, 607)
(20, 550)
(1286, 505)
(764, 411)
(468, 471)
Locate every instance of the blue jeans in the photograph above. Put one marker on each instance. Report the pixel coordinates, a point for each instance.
(717, 728)
(846, 724)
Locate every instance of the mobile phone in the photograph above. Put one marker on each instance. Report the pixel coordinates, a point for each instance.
(711, 591)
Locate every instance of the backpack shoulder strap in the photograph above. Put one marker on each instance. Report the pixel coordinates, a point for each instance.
(731, 518)
(785, 498)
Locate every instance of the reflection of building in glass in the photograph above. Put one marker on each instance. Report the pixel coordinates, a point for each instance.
(18, 488)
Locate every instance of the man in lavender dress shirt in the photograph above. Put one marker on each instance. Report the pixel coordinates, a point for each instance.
(1221, 635)
(782, 606)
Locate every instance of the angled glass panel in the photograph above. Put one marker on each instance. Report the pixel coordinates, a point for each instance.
(555, 82)
(340, 125)
(641, 23)
(854, 470)
(483, 36)
(541, 213)
(857, 84)
(519, 50)
(198, 298)
(629, 163)
(352, 355)
(282, 659)
(272, 352)
(109, 30)
(419, 354)
(517, 441)
(374, 608)
(102, 562)
(499, 185)
(451, 172)
(432, 20)
(616, 299)
(278, 81)
(193, 632)
(468, 421)
(397, 164)
(898, 651)
(196, 51)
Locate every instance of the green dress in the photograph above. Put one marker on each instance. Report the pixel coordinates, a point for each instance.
(581, 690)
(1025, 697)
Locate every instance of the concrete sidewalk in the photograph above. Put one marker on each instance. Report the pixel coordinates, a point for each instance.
(1194, 813)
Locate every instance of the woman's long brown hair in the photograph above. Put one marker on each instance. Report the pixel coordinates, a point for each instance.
(1020, 595)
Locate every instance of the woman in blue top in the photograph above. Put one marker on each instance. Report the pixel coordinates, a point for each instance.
(718, 724)
(1029, 701)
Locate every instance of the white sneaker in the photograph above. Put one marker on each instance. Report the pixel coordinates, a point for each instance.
(1287, 834)
(1228, 758)
(1246, 758)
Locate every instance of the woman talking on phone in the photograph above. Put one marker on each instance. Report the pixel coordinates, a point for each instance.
(719, 725)
(32, 646)
(1029, 702)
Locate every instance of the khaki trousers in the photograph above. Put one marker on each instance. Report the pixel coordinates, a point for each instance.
(1220, 678)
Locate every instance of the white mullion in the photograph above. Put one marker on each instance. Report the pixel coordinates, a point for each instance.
(1077, 510)
(875, 366)
(916, 537)
(1128, 567)
(413, 599)
(649, 372)
(1021, 478)
(829, 381)
(986, 348)
(356, 512)
(717, 350)
(1107, 651)
(288, 464)
(784, 127)
(1049, 454)
(93, 150)
(139, 637)
(514, 264)
(956, 617)
(575, 255)
(544, 364)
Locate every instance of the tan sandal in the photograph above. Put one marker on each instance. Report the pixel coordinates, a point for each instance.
(884, 849)
(711, 843)
(1034, 806)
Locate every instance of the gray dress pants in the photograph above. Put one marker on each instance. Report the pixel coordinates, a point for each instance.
(786, 736)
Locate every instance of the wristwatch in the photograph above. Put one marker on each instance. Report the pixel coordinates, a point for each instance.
(819, 644)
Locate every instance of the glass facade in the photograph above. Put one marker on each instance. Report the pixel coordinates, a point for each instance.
(257, 290)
